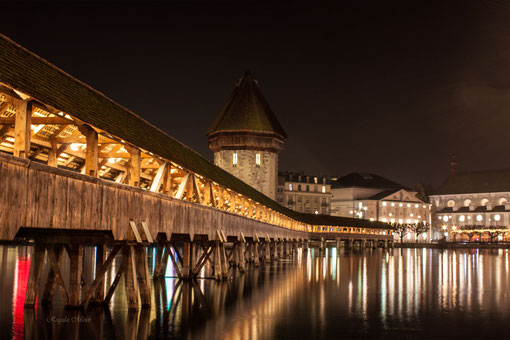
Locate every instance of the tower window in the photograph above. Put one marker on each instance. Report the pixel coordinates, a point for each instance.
(290, 186)
(257, 160)
(324, 189)
(234, 159)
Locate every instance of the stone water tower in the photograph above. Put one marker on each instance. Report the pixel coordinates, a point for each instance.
(246, 137)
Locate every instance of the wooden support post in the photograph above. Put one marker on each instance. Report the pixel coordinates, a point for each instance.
(92, 152)
(76, 261)
(267, 250)
(217, 261)
(363, 243)
(100, 258)
(128, 263)
(275, 250)
(142, 269)
(22, 128)
(52, 155)
(338, 246)
(158, 180)
(236, 254)
(187, 252)
(224, 262)
(134, 166)
(256, 259)
(49, 287)
(34, 275)
(159, 258)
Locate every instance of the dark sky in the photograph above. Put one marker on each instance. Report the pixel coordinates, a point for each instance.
(388, 87)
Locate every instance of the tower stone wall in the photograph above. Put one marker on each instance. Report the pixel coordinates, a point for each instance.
(262, 177)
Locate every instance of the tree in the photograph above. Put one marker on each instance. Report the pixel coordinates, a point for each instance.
(402, 230)
(420, 228)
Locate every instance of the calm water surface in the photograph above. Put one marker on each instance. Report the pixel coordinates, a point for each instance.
(371, 294)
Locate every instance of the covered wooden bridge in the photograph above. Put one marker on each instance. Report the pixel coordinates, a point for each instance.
(78, 169)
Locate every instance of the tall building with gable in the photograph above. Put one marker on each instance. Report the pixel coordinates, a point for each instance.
(246, 137)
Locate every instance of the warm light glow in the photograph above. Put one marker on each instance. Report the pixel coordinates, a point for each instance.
(411, 215)
(445, 218)
(454, 228)
(392, 204)
(372, 219)
(75, 146)
(384, 220)
(257, 159)
(234, 159)
(462, 218)
(390, 214)
(400, 221)
(416, 205)
(111, 160)
(479, 218)
(384, 204)
(444, 227)
(400, 205)
(497, 217)
(408, 205)
(392, 220)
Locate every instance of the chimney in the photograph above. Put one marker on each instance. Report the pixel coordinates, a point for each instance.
(453, 165)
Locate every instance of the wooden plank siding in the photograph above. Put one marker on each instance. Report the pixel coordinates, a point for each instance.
(39, 196)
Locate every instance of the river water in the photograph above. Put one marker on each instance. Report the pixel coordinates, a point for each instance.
(369, 294)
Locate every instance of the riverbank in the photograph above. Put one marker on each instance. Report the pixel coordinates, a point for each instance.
(452, 245)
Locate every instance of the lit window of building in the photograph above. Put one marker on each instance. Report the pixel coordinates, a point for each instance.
(462, 218)
(497, 217)
(234, 159)
(484, 202)
(290, 186)
(502, 201)
(400, 205)
(324, 189)
(450, 203)
(467, 202)
(408, 205)
(479, 218)
(400, 221)
(392, 204)
(315, 180)
(416, 205)
(445, 218)
(257, 159)
(384, 204)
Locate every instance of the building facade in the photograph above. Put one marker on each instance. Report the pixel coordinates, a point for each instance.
(307, 194)
(372, 197)
(473, 206)
(246, 138)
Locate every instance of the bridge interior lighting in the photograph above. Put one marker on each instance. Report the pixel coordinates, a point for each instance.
(75, 146)
(60, 113)
(111, 160)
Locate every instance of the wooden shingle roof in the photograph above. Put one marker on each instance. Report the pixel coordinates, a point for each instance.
(247, 110)
(26, 72)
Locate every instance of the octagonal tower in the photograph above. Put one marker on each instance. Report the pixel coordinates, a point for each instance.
(246, 137)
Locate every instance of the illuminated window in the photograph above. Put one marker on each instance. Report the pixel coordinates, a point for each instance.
(462, 218)
(384, 220)
(467, 202)
(234, 159)
(400, 205)
(484, 202)
(324, 189)
(392, 204)
(408, 205)
(445, 218)
(416, 205)
(384, 204)
(497, 217)
(400, 221)
(502, 201)
(450, 203)
(315, 180)
(392, 220)
(257, 160)
(290, 186)
(479, 218)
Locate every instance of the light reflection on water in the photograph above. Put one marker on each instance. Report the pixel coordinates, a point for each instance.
(417, 293)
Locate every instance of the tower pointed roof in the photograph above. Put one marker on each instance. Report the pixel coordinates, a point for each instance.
(247, 110)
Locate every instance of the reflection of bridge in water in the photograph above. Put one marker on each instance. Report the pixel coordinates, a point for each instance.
(77, 169)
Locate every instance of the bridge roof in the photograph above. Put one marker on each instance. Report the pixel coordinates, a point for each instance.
(26, 72)
(247, 110)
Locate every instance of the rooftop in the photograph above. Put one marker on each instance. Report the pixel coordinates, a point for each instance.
(366, 180)
(476, 182)
(247, 110)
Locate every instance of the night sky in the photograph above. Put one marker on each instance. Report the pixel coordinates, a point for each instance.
(387, 87)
